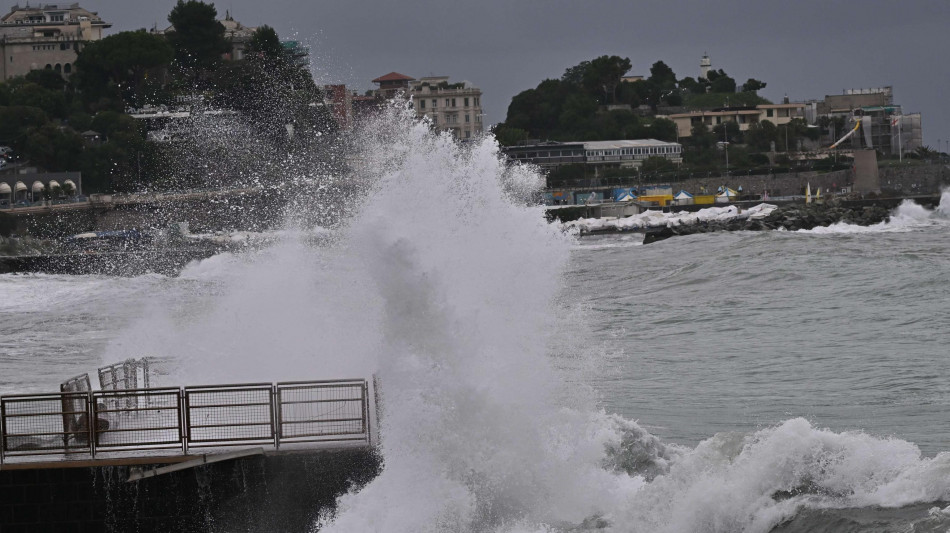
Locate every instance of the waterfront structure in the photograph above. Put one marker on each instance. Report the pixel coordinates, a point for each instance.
(33, 187)
(46, 36)
(597, 155)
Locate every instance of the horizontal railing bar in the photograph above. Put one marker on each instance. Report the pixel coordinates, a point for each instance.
(48, 395)
(47, 434)
(233, 442)
(310, 437)
(47, 451)
(283, 402)
(218, 405)
(319, 382)
(126, 430)
(22, 415)
(129, 392)
(241, 425)
(139, 409)
(321, 421)
(242, 439)
(211, 388)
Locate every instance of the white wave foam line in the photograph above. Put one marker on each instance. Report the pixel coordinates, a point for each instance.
(908, 216)
(657, 219)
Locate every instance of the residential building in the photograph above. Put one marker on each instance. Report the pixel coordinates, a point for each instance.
(777, 114)
(392, 84)
(598, 155)
(46, 36)
(449, 106)
(236, 33)
(456, 107)
(239, 36)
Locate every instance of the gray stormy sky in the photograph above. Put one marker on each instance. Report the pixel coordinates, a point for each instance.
(806, 48)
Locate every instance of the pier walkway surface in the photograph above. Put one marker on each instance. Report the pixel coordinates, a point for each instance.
(194, 424)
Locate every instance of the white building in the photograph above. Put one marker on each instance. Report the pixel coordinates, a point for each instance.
(598, 154)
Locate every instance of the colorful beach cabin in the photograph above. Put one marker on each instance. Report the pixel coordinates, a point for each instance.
(683, 198)
(727, 195)
(624, 194)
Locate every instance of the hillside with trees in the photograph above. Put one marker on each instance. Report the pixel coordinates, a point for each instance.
(592, 101)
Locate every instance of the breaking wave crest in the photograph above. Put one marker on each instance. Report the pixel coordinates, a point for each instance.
(908, 216)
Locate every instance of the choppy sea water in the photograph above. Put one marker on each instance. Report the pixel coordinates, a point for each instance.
(536, 382)
(738, 331)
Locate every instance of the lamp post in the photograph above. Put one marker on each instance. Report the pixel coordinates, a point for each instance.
(725, 145)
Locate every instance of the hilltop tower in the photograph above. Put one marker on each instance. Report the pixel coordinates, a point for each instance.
(704, 65)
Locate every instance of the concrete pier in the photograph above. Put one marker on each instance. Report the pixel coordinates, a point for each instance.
(271, 492)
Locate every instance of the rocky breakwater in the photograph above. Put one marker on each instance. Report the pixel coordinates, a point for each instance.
(790, 218)
(658, 226)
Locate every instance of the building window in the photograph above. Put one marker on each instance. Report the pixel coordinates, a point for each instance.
(67, 68)
(453, 102)
(63, 46)
(467, 119)
(435, 119)
(434, 103)
(446, 102)
(422, 104)
(768, 112)
(476, 101)
(468, 134)
(466, 102)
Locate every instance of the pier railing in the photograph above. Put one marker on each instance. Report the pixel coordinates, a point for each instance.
(87, 423)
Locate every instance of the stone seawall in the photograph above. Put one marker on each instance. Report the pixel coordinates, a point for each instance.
(277, 493)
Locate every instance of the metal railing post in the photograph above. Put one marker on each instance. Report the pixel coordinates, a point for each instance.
(92, 424)
(364, 404)
(3, 429)
(184, 419)
(278, 417)
(273, 416)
